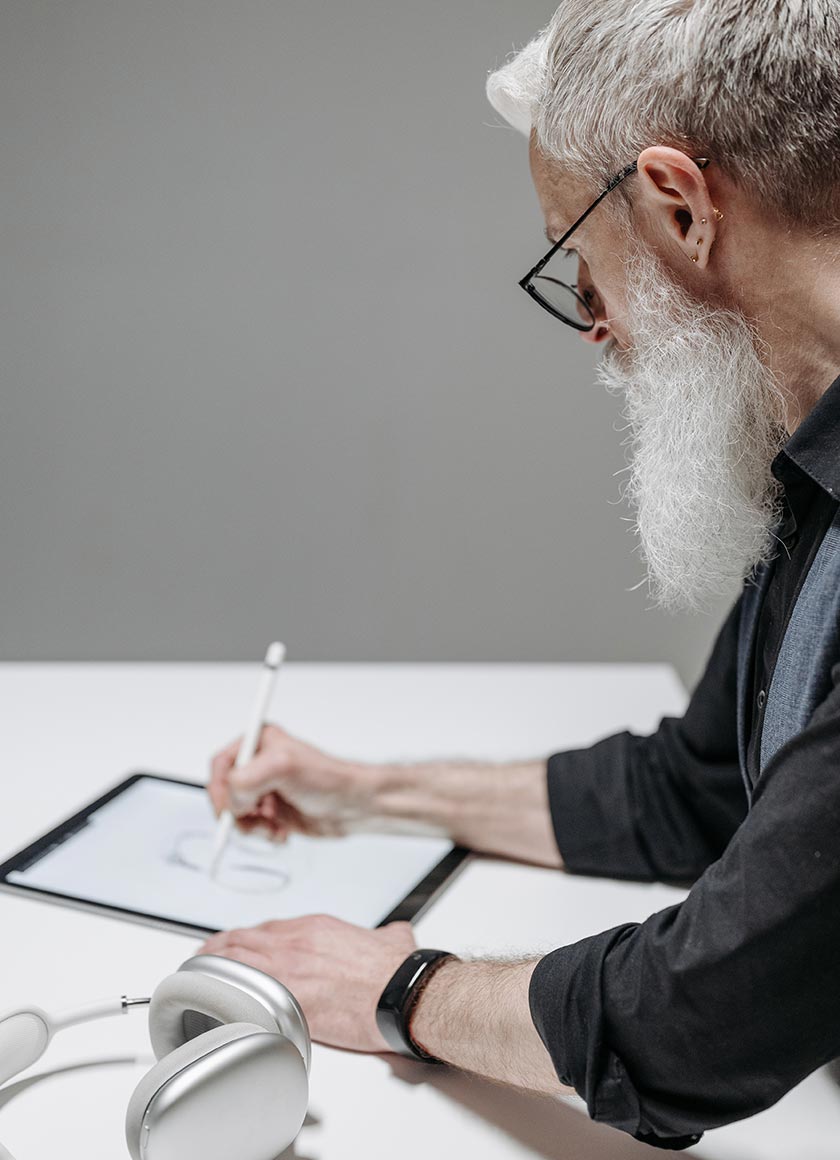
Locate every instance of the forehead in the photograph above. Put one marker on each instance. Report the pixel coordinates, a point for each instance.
(563, 196)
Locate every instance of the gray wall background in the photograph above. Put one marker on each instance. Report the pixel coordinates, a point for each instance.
(265, 366)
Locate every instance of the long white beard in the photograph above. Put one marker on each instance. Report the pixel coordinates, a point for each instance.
(706, 419)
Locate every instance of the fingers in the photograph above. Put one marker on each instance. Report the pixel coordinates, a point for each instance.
(246, 785)
(240, 789)
(249, 958)
(262, 793)
(268, 936)
(253, 825)
(252, 939)
(220, 768)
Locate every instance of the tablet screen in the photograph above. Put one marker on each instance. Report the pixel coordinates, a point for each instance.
(146, 852)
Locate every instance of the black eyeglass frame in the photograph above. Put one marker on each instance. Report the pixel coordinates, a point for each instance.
(527, 283)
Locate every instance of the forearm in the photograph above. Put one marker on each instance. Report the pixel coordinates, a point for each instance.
(476, 1016)
(495, 809)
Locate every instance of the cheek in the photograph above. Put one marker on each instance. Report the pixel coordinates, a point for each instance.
(606, 283)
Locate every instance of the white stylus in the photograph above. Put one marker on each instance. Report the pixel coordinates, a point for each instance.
(274, 658)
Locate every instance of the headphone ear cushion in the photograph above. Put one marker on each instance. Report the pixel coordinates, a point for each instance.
(186, 1004)
(24, 1037)
(249, 1101)
(277, 999)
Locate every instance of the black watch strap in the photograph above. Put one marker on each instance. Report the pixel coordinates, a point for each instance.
(397, 1001)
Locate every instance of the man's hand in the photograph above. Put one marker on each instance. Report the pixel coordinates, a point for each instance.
(336, 971)
(290, 786)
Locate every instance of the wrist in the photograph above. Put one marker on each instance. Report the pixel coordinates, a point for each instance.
(400, 996)
(419, 1027)
(358, 782)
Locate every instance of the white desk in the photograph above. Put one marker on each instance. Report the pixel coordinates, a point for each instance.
(168, 719)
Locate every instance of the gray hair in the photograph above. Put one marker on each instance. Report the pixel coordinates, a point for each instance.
(752, 84)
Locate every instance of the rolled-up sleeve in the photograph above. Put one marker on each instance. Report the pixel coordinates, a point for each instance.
(711, 1010)
(661, 807)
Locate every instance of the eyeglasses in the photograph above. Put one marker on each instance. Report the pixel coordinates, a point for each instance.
(556, 294)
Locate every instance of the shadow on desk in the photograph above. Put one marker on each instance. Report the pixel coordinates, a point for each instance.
(549, 1126)
(12, 1090)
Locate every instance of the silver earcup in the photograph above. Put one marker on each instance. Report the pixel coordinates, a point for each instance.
(233, 1050)
(234, 1091)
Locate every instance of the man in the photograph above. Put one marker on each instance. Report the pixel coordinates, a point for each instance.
(687, 156)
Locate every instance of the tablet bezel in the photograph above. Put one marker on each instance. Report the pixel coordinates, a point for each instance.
(409, 909)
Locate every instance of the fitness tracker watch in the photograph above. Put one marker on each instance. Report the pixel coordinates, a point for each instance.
(397, 1001)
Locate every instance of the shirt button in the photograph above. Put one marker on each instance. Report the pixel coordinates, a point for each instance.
(761, 700)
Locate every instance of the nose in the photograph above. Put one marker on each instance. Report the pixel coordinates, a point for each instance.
(600, 332)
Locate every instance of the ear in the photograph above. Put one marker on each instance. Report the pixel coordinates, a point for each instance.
(678, 201)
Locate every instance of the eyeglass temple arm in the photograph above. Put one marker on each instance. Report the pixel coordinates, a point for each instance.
(700, 162)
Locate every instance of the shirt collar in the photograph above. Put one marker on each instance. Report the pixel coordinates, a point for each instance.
(815, 444)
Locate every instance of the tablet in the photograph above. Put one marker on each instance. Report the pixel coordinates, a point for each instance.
(141, 852)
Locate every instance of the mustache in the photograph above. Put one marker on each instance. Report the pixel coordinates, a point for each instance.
(615, 356)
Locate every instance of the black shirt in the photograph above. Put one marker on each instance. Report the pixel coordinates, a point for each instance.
(712, 1009)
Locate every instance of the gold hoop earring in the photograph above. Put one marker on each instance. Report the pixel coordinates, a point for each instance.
(717, 213)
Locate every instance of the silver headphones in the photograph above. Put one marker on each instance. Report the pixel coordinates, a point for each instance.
(233, 1053)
